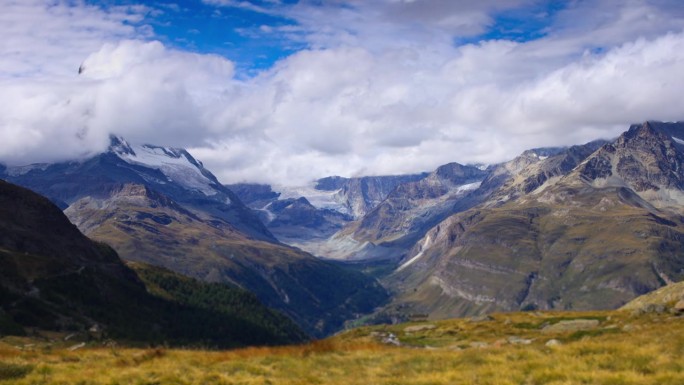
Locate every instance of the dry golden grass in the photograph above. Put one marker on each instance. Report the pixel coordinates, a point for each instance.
(648, 349)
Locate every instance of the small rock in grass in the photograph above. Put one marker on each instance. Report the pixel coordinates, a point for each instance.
(519, 341)
(391, 339)
(553, 342)
(76, 347)
(630, 328)
(679, 307)
(418, 328)
(571, 326)
(481, 318)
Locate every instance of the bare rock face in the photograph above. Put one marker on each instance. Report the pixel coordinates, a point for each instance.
(646, 157)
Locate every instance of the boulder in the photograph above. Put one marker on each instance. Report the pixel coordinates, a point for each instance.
(571, 326)
(418, 328)
(678, 308)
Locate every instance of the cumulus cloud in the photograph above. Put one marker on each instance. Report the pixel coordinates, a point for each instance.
(376, 92)
(381, 117)
(50, 38)
(137, 89)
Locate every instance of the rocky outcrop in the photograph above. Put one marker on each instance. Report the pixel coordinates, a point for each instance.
(669, 297)
(645, 158)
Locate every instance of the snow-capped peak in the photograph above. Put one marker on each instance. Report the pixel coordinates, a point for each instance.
(176, 164)
(119, 145)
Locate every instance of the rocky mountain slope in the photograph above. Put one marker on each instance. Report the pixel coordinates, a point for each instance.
(307, 216)
(146, 226)
(391, 227)
(362, 194)
(170, 171)
(584, 227)
(593, 236)
(669, 298)
(293, 220)
(161, 206)
(53, 278)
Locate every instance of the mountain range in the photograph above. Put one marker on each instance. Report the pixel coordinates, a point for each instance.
(589, 226)
(582, 227)
(54, 279)
(161, 206)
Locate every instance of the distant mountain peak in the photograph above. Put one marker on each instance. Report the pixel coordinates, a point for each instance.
(642, 130)
(647, 158)
(119, 145)
(175, 163)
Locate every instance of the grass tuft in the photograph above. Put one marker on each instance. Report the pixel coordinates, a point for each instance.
(14, 371)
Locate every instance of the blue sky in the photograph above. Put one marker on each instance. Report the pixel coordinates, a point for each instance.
(240, 30)
(288, 91)
(233, 32)
(522, 24)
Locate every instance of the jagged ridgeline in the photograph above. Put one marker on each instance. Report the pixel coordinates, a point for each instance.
(53, 278)
(587, 227)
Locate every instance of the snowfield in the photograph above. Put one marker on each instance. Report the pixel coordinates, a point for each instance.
(173, 163)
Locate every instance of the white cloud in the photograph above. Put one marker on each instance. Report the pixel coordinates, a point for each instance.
(378, 92)
(140, 90)
(51, 38)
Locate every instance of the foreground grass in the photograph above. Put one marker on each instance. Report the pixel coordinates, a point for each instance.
(508, 349)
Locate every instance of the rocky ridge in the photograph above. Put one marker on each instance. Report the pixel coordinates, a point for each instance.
(592, 236)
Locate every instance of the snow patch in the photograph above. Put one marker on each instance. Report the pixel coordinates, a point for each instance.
(269, 215)
(21, 170)
(680, 141)
(173, 163)
(417, 256)
(469, 186)
(320, 199)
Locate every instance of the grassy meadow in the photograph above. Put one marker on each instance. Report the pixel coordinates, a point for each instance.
(510, 348)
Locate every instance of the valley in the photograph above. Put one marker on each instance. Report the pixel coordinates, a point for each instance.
(581, 228)
(585, 227)
(387, 192)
